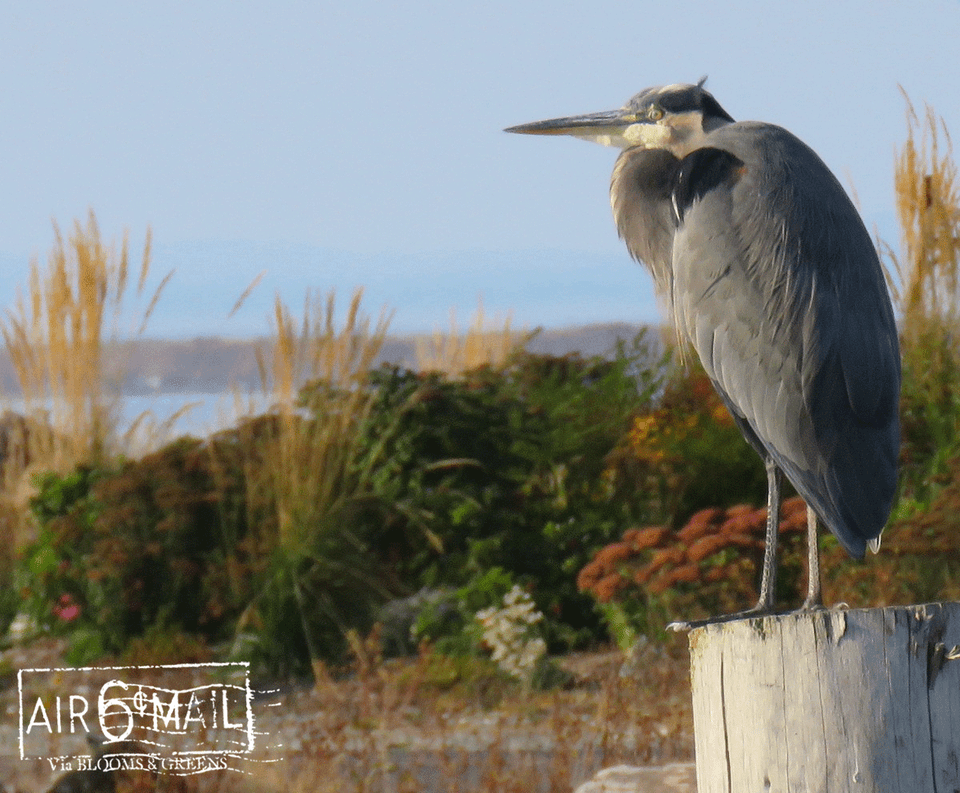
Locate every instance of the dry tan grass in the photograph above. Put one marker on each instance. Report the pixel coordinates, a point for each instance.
(300, 462)
(485, 342)
(62, 337)
(59, 335)
(926, 285)
(431, 724)
(307, 464)
(925, 279)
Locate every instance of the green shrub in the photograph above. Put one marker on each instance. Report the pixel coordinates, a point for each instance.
(127, 550)
(448, 622)
(929, 419)
(505, 469)
(473, 484)
(688, 453)
(57, 591)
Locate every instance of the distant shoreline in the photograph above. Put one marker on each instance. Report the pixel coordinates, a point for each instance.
(213, 365)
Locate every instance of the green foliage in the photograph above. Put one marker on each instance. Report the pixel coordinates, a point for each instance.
(448, 622)
(87, 644)
(318, 578)
(689, 453)
(470, 485)
(548, 675)
(122, 551)
(630, 618)
(303, 606)
(53, 568)
(506, 469)
(930, 418)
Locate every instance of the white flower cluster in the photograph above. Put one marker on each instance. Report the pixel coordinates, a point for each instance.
(509, 632)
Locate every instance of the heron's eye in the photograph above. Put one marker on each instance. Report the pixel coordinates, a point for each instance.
(655, 113)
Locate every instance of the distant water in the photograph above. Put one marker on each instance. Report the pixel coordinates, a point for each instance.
(201, 413)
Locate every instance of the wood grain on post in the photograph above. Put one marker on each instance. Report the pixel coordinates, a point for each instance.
(839, 701)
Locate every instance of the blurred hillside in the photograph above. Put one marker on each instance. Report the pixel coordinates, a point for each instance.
(212, 365)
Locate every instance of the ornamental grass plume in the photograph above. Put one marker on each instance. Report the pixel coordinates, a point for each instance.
(924, 277)
(484, 343)
(63, 339)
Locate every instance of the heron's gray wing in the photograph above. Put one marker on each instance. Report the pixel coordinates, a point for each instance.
(778, 287)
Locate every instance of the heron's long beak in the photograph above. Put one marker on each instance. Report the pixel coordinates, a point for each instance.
(589, 125)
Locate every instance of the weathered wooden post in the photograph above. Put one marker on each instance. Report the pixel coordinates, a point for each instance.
(839, 700)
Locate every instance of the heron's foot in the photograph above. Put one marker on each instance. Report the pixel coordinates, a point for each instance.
(757, 611)
(760, 610)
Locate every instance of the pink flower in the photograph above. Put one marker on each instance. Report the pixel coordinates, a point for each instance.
(66, 609)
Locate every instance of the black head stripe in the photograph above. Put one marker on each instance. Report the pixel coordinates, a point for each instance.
(680, 99)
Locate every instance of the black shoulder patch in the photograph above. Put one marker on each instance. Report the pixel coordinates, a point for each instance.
(700, 172)
(711, 107)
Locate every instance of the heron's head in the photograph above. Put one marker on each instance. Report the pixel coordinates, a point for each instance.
(672, 117)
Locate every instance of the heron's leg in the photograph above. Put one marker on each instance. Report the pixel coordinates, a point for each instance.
(814, 595)
(768, 578)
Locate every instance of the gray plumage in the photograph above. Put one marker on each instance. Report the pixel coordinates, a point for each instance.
(773, 279)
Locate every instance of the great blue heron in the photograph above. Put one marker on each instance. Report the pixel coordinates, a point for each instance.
(771, 276)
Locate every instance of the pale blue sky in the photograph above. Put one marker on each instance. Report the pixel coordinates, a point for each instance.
(374, 130)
